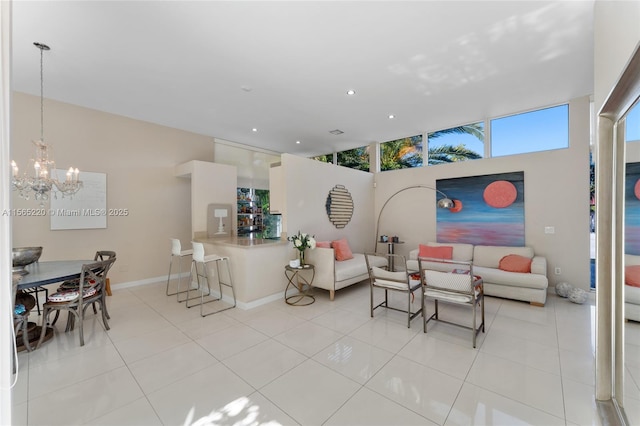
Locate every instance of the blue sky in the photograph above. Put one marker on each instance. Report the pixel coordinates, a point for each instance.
(539, 130)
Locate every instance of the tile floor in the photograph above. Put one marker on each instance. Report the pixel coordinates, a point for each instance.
(324, 364)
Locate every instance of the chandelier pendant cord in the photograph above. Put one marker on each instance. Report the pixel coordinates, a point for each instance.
(42, 48)
(41, 94)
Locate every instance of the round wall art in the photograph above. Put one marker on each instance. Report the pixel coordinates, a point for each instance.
(339, 206)
(500, 194)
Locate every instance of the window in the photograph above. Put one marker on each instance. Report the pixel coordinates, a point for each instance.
(357, 158)
(401, 153)
(632, 130)
(324, 158)
(456, 144)
(539, 130)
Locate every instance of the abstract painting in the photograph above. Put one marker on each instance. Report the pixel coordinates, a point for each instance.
(632, 209)
(488, 210)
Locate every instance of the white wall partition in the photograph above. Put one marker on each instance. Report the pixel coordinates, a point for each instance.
(308, 183)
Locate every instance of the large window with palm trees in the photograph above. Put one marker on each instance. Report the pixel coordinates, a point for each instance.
(401, 153)
(460, 143)
(357, 158)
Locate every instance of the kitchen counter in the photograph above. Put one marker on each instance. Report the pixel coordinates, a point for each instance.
(257, 266)
(246, 242)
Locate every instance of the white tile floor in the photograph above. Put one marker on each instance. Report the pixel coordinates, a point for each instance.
(324, 364)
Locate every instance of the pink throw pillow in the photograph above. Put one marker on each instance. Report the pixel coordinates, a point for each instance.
(515, 263)
(435, 252)
(632, 275)
(342, 249)
(323, 244)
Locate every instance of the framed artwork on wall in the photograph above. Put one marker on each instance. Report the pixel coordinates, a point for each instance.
(632, 209)
(488, 210)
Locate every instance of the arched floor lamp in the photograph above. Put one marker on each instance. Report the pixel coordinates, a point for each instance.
(443, 203)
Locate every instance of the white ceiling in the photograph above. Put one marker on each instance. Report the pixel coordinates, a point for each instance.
(223, 68)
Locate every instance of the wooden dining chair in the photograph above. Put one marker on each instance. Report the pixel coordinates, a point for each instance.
(91, 288)
(74, 284)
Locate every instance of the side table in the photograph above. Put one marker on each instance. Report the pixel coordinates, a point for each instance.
(390, 250)
(297, 279)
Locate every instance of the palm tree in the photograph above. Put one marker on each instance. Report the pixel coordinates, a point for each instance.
(407, 152)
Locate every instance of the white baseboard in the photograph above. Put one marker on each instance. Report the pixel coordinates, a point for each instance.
(226, 298)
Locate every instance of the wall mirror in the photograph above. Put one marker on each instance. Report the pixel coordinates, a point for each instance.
(611, 371)
(339, 206)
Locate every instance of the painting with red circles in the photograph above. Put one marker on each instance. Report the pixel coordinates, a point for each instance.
(487, 210)
(632, 209)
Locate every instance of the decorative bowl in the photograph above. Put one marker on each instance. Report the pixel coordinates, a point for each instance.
(23, 256)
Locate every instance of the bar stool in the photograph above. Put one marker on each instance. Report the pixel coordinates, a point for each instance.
(199, 258)
(176, 251)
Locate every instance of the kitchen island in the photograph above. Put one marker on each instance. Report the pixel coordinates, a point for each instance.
(257, 267)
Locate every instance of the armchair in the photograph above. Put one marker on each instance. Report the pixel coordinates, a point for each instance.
(399, 279)
(460, 287)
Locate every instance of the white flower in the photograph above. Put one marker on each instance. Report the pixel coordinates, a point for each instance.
(302, 241)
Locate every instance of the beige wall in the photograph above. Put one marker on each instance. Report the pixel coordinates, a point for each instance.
(556, 194)
(308, 183)
(139, 159)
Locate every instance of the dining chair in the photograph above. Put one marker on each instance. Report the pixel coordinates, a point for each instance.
(399, 280)
(200, 266)
(459, 287)
(91, 287)
(74, 284)
(177, 252)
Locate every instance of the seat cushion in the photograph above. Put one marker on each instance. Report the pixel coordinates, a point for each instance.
(632, 295)
(357, 266)
(70, 295)
(512, 279)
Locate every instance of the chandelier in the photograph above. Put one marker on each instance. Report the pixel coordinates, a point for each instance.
(42, 181)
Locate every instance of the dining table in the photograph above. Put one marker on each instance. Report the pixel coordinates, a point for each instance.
(51, 272)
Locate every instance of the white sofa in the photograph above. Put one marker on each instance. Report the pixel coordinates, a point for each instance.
(631, 294)
(529, 287)
(333, 275)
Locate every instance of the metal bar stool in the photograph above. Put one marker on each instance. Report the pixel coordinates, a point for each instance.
(176, 251)
(199, 258)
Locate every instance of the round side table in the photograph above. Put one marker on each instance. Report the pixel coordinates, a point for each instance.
(299, 279)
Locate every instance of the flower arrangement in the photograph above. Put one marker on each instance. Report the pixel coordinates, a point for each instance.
(301, 242)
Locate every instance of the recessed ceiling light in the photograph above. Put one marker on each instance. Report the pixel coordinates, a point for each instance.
(391, 116)
(254, 130)
(351, 92)
(298, 142)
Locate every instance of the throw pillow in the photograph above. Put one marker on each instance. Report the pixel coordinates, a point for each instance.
(323, 244)
(435, 252)
(632, 275)
(342, 249)
(515, 263)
